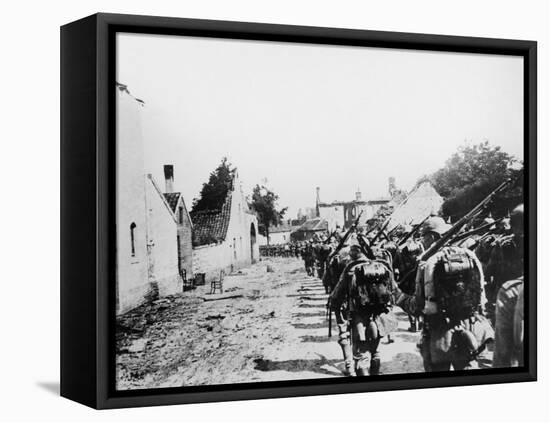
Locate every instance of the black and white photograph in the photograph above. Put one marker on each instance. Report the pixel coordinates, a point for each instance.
(292, 211)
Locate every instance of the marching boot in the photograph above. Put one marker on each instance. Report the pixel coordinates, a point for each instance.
(348, 357)
(362, 372)
(375, 366)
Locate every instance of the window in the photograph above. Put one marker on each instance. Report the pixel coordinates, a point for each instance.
(133, 238)
(180, 214)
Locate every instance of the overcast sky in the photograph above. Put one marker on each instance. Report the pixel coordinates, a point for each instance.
(303, 115)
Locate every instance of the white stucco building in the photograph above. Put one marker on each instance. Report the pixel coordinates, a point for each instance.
(147, 227)
(344, 213)
(420, 202)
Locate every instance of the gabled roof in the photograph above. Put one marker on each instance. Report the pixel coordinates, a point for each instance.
(283, 227)
(316, 224)
(162, 197)
(173, 198)
(210, 226)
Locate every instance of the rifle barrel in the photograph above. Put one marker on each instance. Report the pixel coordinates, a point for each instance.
(463, 220)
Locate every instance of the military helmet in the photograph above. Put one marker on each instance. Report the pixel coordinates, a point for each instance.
(516, 218)
(435, 224)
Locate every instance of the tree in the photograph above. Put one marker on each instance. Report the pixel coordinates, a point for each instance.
(264, 203)
(472, 173)
(214, 192)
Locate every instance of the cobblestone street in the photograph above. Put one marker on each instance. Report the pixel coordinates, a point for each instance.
(272, 326)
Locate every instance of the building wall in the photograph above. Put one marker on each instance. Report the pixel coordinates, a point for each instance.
(210, 259)
(238, 232)
(162, 231)
(185, 234)
(279, 237)
(421, 201)
(333, 214)
(131, 275)
(344, 214)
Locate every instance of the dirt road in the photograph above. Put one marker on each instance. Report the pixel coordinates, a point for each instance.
(272, 328)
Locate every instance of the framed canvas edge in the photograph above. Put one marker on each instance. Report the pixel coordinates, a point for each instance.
(108, 24)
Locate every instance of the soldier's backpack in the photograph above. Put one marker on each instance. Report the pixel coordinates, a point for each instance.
(371, 286)
(453, 284)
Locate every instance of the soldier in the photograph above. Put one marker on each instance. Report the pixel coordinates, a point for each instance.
(309, 259)
(404, 266)
(449, 296)
(360, 301)
(505, 260)
(509, 308)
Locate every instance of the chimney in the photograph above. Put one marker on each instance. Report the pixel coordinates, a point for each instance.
(358, 195)
(391, 185)
(169, 178)
(317, 201)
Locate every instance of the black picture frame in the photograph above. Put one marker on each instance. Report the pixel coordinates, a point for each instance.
(88, 207)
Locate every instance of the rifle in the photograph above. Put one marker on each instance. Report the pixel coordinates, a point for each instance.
(477, 210)
(393, 231)
(329, 316)
(414, 231)
(478, 230)
(326, 241)
(345, 237)
(365, 247)
(382, 229)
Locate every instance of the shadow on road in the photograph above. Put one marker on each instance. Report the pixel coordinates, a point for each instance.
(312, 314)
(402, 363)
(300, 365)
(321, 325)
(406, 337)
(314, 338)
(312, 305)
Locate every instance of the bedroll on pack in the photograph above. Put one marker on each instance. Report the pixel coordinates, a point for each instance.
(371, 285)
(452, 283)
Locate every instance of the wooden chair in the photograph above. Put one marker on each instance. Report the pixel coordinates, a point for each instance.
(187, 283)
(217, 283)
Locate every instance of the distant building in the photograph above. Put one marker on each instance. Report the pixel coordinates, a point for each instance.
(344, 213)
(310, 228)
(281, 234)
(225, 239)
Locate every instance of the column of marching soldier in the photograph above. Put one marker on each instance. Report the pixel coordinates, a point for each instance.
(461, 285)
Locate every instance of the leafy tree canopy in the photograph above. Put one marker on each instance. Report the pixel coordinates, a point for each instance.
(472, 173)
(214, 192)
(264, 204)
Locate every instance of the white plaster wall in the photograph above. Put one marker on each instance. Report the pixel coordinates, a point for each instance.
(210, 259)
(279, 238)
(368, 212)
(162, 232)
(131, 275)
(334, 215)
